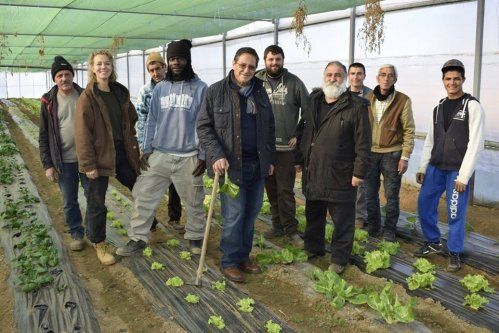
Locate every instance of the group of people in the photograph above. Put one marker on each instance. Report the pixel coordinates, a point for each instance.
(260, 127)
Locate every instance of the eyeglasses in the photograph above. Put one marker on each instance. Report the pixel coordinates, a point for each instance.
(389, 75)
(243, 67)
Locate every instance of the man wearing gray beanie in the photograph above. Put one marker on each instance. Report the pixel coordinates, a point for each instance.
(57, 145)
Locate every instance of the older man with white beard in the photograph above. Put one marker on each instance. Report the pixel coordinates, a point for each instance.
(334, 154)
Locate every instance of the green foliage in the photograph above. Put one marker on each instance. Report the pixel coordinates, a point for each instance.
(246, 304)
(26, 197)
(302, 223)
(207, 181)
(361, 235)
(284, 256)
(219, 285)
(185, 255)
(475, 301)
(300, 210)
(173, 242)
(376, 260)
(157, 266)
(259, 241)
(329, 232)
(229, 188)
(412, 222)
(390, 247)
(117, 224)
(147, 252)
(420, 280)
(357, 248)
(217, 321)
(174, 282)
(424, 266)
(272, 327)
(193, 299)
(475, 283)
(122, 231)
(337, 290)
(7, 170)
(265, 210)
(390, 307)
(110, 215)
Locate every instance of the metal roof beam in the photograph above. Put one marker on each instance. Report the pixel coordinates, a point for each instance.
(86, 36)
(138, 13)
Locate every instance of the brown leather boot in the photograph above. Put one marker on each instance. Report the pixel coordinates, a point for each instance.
(105, 257)
(249, 267)
(233, 274)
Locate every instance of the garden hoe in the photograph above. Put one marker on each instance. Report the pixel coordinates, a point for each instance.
(207, 231)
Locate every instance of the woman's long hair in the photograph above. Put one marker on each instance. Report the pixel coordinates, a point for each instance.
(91, 75)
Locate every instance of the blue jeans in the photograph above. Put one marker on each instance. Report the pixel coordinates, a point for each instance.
(239, 217)
(385, 164)
(435, 182)
(68, 181)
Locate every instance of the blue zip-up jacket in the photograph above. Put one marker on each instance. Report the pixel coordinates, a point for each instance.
(171, 125)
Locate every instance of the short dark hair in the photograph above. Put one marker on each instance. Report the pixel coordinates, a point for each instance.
(357, 65)
(450, 69)
(248, 50)
(274, 49)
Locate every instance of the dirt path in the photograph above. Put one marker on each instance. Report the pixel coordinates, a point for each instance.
(119, 300)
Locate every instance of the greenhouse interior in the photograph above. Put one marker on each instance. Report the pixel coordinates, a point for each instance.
(167, 286)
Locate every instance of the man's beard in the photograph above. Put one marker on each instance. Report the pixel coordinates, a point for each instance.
(179, 75)
(333, 90)
(275, 74)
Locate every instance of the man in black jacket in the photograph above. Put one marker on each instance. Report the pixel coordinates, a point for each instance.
(236, 129)
(334, 150)
(57, 145)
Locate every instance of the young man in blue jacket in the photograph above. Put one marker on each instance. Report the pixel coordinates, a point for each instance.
(450, 154)
(170, 152)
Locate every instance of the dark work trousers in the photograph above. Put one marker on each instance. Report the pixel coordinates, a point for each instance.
(385, 164)
(280, 192)
(95, 218)
(343, 215)
(174, 204)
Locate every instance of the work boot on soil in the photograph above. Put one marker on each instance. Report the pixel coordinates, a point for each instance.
(103, 254)
(454, 263)
(273, 233)
(312, 255)
(195, 246)
(249, 267)
(389, 236)
(131, 247)
(296, 240)
(374, 231)
(233, 274)
(77, 244)
(428, 249)
(338, 269)
(175, 224)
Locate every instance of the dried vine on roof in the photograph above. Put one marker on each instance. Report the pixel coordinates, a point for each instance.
(372, 32)
(298, 24)
(41, 50)
(117, 42)
(4, 46)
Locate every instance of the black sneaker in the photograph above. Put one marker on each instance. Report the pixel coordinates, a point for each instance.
(429, 248)
(131, 247)
(389, 236)
(454, 263)
(195, 246)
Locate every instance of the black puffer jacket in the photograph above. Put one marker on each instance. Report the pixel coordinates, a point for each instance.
(49, 139)
(219, 127)
(335, 150)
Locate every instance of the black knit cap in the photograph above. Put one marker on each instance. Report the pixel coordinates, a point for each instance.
(181, 48)
(60, 64)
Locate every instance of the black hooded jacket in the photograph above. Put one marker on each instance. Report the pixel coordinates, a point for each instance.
(336, 149)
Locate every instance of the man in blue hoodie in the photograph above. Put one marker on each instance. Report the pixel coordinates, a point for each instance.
(170, 152)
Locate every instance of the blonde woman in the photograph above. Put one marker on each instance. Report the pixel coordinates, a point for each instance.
(105, 143)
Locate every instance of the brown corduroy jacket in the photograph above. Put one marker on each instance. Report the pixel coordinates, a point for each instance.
(94, 135)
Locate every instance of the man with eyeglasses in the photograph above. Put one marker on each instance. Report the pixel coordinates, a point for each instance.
(156, 67)
(170, 152)
(392, 125)
(287, 94)
(334, 149)
(236, 129)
